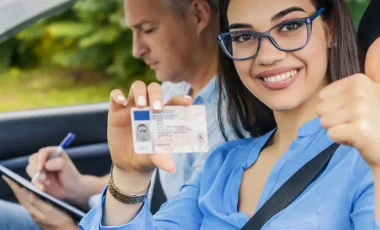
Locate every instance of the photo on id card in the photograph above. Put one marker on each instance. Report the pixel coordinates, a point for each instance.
(141, 130)
(175, 129)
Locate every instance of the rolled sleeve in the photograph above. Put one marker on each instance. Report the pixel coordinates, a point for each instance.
(171, 216)
(93, 219)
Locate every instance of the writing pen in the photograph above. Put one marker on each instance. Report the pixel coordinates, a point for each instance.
(64, 144)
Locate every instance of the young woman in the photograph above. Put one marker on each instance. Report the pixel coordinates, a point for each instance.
(297, 88)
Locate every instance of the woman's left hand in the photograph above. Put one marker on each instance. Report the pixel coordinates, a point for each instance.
(350, 109)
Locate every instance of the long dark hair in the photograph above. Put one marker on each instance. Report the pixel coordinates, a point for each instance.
(244, 110)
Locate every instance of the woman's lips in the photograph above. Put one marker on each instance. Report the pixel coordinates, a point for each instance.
(279, 82)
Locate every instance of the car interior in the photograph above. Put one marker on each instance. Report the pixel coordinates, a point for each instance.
(369, 28)
(22, 135)
(25, 132)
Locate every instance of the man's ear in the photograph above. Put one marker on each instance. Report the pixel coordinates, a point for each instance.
(200, 11)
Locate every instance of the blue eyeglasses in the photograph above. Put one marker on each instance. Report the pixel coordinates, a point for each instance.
(287, 36)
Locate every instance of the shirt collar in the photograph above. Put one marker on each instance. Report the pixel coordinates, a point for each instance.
(309, 128)
(209, 93)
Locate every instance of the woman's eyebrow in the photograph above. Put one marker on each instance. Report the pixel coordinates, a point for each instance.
(286, 11)
(277, 16)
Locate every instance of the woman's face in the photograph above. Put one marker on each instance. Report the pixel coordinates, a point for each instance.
(281, 80)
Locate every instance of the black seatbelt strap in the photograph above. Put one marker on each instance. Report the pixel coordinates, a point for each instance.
(289, 191)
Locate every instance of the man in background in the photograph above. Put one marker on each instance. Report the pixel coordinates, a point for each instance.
(177, 39)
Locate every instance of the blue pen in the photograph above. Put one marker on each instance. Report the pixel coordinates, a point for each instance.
(64, 144)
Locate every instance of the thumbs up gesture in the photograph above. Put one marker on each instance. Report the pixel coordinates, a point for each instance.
(350, 109)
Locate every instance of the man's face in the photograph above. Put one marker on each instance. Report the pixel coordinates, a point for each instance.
(142, 133)
(142, 130)
(163, 39)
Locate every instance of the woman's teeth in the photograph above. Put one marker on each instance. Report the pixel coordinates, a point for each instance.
(281, 77)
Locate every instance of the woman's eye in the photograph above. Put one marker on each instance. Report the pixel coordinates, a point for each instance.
(290, 26)
(148, 31)
(242, 37)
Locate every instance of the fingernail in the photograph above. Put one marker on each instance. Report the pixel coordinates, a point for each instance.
(188, 97)
(157, 105)
(141, 101)
(121, 98)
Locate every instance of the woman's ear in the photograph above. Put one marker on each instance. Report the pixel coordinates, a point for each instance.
(331, 43)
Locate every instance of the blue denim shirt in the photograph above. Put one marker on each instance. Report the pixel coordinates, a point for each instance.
(341, 197)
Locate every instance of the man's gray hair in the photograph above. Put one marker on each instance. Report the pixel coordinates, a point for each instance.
(180, 6)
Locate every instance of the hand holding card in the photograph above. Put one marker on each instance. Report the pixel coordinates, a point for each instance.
(135, 168)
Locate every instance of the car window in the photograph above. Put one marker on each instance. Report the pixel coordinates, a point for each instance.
(74, 57)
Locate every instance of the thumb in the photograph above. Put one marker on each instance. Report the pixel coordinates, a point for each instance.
(163, 161)
(45, 153)
(180, 100)
(372, 61)
(55, 165)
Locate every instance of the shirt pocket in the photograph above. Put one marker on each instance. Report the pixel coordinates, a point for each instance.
(310, 221)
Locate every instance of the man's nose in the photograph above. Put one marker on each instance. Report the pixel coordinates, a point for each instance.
(139, 48)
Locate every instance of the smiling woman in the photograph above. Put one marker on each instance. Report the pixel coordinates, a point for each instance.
(291, 29)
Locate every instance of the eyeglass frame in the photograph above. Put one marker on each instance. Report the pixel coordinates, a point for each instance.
(308, 21)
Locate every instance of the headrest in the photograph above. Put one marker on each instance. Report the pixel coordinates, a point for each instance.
(369, 26)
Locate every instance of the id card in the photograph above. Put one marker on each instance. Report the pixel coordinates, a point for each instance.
(176, 129)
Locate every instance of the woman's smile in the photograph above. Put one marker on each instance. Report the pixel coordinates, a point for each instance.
(280, 78)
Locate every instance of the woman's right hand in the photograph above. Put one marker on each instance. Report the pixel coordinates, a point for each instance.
(120, 139)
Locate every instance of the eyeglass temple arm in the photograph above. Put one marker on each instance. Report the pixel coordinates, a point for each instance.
(317, 13)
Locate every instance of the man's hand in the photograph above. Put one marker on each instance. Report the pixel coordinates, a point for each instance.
(61, 178)
(45, 215)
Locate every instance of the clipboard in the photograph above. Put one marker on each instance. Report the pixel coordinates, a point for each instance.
(74, 212)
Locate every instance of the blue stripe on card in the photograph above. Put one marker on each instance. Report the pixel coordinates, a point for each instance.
(142, 115)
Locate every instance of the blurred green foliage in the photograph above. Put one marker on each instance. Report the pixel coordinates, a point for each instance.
(91, 36)
(357, 8)
(44, 88)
